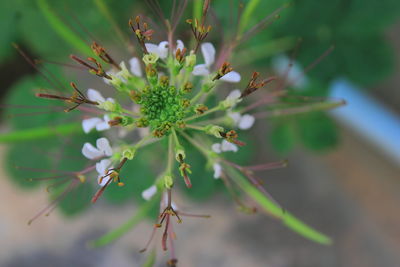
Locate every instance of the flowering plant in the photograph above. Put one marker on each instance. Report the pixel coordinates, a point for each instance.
(167, 100)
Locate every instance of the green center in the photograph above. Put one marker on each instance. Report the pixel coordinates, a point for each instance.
(162, 107)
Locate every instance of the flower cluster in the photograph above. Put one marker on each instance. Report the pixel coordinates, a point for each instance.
(165, 94)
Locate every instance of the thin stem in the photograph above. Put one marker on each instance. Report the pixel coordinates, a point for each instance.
(199, 146)
(195, 127)
(214, 109)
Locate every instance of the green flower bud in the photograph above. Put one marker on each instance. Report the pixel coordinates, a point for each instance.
(214, 130)
(190, 61)
(168, 181)
(150, 58)
(129, 153)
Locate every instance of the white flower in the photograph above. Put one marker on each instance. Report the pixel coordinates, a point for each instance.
(102, 169)
(208, 51)
(161, 49)
(102, 149)
(98, 123)
(292, 71)
(217, 170)
(149, 192)
(135, 67)
(243, 122)
(232, 99)
(94, 95)
(224, 146)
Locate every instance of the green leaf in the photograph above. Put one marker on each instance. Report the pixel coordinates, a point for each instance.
(63, 30)
(139, 215)
(77, 200)
(270, 207)
(27, 155)
(282, 136)
(8, 15)
(43, 112)
(137, 175)
(317, 131)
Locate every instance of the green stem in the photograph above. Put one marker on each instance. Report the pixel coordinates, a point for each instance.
(128, 225)
(269, 206)
(40, 132)
(214, 109)
(200, 147)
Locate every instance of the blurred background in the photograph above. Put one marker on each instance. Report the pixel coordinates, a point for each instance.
(343, 176)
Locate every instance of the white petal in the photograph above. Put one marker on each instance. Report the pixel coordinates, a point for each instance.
(173, 205)
(246, 122)
(102, 126)
(208, 51)
(102, 166)
(235, 117)
(90, 152)
(217, 170)
(109, 99)
(102, 181)
(163, 49)
(227, 146)
(110, 72)
(291, 71)
(149, 192)
(233, 95)
(135, 67)
(216, 148)
(89, 124)
(104, 146)
(152, 48)
(179, 45)
(200, 70)
(95, 95)
(232, 77)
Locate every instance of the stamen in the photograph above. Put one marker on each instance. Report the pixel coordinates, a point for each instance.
(77, 98)
(98, 70)
(253, 85)
(101, 53)
(223, 70)
(231, 136)
(142, 32)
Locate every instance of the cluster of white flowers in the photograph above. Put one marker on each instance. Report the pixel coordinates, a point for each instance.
(161, 50)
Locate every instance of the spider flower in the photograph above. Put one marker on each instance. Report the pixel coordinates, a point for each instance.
(165, 95)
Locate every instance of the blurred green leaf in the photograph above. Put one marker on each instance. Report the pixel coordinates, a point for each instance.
(27, 155)
(282, 136)
(75, 201)
(136, 175)
(27, 111)
(317, 131)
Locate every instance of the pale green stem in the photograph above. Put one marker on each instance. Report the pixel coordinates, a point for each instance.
(270, 207)
(170, 155)
(214, 109)
(196, 144)
(195, 127)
